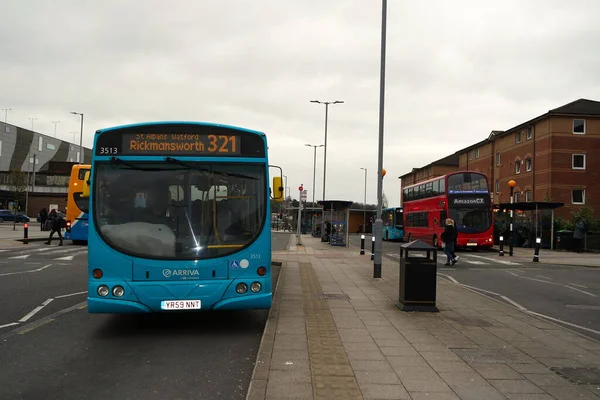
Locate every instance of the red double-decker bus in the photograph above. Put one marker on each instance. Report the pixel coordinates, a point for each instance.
(463, 196)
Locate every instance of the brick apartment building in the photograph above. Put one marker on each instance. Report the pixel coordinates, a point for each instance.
(553, 156)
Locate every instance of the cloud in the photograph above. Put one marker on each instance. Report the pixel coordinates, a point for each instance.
(454, 72)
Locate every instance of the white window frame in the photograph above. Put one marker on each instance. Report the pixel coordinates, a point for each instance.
(582, 196)
(470, 155)
(517, 167)
(498, 158)
(584, 126)
(40, 144)
(50, 146)
(529, 133)
(77, 157)
(530, 193)
(0, 148)
(477, 152)
(517, 196)
(573, 161)
(497, 185)
(518, 137)
(527, 169)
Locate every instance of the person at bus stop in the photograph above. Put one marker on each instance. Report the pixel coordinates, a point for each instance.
(55, 227)
(579, 236)
(449, 238)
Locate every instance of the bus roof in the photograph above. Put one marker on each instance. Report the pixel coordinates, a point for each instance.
(443, 177)
(152, 123)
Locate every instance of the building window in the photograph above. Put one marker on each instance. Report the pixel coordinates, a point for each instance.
(477, 153)
(37, 160)
(470, 155)
(517, 196)
(77, 156)
(40, 144)
(497, 185)
(50, 146)
(529, 132)
(518, 167)
(497, 158)
(578, 161)
(578, 196)
(518, 137)
(579, 126)
(528, 164)
(528, 195)
(0, 147)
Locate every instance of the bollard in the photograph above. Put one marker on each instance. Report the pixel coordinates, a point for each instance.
(536, 254)
(373, 248)
(501, 246)
(362, 245)
(26, 233)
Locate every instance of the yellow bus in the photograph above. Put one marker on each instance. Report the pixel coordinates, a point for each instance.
(78, 204)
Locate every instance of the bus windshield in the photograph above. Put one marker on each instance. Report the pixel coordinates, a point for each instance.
(470, 219)
(399, 218)
(180, 210)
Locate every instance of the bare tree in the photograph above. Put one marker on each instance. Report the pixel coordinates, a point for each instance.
(17, 184)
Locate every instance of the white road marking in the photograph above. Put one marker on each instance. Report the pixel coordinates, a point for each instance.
(450, 278)
(65, 258)
(36, 310)
(70, 294)
(475, 262)
(514, 303)
(26, 272)
(574, 284)
(581, 291)
(7, 325)
(553, 283)
(19, 257)
(526, 311)
(545, 277)
(495, 260)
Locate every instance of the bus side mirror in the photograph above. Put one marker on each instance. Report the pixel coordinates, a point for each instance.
(278, 189)
(86, 186)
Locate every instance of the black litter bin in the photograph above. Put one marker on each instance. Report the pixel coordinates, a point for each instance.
(418, 277)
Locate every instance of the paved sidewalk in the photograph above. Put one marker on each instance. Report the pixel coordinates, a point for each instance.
(336, 333)
(10, 237)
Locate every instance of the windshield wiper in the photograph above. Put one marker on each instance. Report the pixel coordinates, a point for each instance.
(131, 165)
(195, 167)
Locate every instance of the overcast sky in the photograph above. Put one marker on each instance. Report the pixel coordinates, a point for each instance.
(455, 71)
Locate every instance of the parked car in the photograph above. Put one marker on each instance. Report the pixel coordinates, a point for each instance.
(8, 215)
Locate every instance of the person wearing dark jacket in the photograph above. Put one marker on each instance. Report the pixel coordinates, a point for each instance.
(449, 237)
(579, 236)
(56, 227)
(43, 217)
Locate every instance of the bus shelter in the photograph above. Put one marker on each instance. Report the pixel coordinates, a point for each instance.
(534, 207)
(335, 219)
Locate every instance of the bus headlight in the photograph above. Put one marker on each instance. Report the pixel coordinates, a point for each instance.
(118, 291)
(255, 287)
(103, 290)
(241, 288)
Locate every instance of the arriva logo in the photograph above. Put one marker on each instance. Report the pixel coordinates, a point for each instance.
(180, 272)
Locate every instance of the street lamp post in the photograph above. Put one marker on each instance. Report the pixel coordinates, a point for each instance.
(55, 122)
(80, 137)
(380, 170)
(32, 119)
(327, 103)
(512, 185)
(365, 203)
(6, 110)
(314, 146)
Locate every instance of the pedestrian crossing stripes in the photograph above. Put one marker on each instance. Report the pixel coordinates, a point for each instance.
(468, 260)
(44, 252)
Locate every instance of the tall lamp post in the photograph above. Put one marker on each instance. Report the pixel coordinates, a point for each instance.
(6, 110)
(365, 203)
(80, 137)
(512, 185)
(314, 146)
(32, 119)
(55, 122)
(380, 170)
(327, 103)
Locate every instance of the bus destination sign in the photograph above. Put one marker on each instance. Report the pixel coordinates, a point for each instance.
(180, 143)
